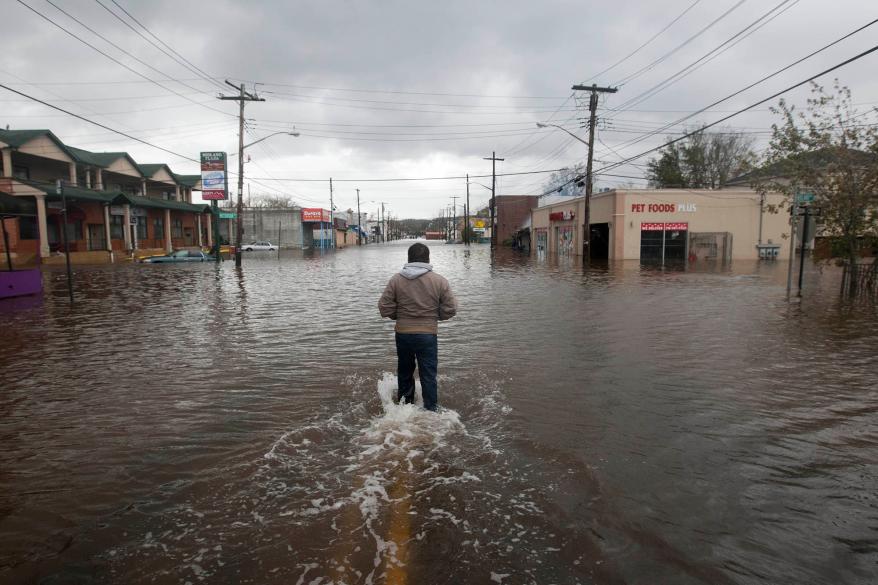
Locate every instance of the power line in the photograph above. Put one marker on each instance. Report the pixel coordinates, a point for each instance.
(115, 46)
(750, 86)
(394, 92)
(651, 39)
(118, 62)
(762, 101)
(407, 179)
(186, 62)
(710, 55)
(661, 59)
(98, 124)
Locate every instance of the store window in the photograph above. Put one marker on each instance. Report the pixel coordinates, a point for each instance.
(158, 228)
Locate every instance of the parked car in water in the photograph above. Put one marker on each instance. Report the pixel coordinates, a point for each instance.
(188, 255)
(257, 246)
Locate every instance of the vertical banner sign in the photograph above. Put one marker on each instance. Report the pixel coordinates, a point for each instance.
(214, 183)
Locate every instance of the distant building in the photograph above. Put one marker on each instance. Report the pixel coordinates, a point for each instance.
(513, 211)
(657, 225)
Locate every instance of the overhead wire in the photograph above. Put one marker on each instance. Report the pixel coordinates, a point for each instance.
(185, 62)
(118, 62)
(647, 42)
(667, 55)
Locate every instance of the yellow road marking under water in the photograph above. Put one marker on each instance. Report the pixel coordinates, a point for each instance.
(399, 531)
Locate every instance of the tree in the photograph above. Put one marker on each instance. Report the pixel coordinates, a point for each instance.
(564, 181)
(269, 201)
(704, 160)
(828, 150)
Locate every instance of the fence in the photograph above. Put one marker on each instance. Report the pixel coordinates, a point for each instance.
(860, 279)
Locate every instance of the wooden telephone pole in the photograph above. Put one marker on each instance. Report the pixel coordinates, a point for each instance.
(589, 178)
(493, 160)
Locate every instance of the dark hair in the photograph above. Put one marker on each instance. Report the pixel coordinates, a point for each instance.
(419, 253)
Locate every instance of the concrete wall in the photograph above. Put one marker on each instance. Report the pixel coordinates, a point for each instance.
(263, 224)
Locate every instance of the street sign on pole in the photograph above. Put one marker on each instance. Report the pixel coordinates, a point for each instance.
(804, 197)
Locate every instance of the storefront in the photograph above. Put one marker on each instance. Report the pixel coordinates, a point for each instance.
(667, 225)
(317, 229)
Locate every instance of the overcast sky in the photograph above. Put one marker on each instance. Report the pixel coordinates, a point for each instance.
(409, 89)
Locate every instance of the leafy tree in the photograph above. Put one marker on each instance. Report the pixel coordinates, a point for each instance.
(828, 150)
(704, 160)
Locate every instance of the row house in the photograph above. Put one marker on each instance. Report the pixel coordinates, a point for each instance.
(114, 204)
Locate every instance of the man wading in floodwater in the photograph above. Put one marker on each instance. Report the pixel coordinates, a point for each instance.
(417, 299)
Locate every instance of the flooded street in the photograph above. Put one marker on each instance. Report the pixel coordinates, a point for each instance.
(194, 423)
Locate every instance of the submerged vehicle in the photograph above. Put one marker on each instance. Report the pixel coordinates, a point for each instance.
(191, 255)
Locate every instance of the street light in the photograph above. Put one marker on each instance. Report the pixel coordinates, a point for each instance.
(294, 133)
(546, 125)
(240, 222)
(586, 227)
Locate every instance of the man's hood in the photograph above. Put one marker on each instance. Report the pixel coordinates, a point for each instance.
(413, 270)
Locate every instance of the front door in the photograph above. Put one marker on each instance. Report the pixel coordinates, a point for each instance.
(96, 237)
(188, 239)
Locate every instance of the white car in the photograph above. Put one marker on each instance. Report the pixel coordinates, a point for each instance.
(256, 246)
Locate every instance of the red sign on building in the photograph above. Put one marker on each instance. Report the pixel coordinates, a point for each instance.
(561, 215)
(315, 214)
(664, 226)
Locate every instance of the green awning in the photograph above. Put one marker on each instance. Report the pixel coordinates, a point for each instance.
(73, 193)
(11, 206)
(147, 202)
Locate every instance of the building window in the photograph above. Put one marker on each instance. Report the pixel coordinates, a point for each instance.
(141, 228)
(27, 228)
(20, 172)
(169, 195)
(117, 227)
(176, 228)
(158, 228)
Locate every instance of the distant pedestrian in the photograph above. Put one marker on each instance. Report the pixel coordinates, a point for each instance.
(417, 299)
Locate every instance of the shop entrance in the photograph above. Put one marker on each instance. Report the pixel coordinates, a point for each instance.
(600, 241)
(663, 242)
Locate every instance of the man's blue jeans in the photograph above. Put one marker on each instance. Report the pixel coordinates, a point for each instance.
(423, 347)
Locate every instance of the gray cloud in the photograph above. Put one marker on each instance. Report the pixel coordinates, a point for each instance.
(511, 48)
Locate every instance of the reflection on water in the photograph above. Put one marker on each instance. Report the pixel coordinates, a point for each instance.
(624, 424)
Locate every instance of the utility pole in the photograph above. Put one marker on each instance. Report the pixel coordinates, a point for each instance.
(59, 188)
(804, 243)
(242, 97)
(331, 213)
(589, 178)
(466, 214)
(493, 160)
(454, 199)
(381, 223)
(359, 222)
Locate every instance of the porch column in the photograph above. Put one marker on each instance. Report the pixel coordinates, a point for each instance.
(177, 192)
(107, 228)
(127, 231)
(7, 162)
(169, 245)
(143, 187)
(198, 223)
(42, 225)
(99, 179)
(88, 178)
(210, 231)
(73, 174)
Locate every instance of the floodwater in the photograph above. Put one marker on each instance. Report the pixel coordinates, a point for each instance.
(198, 424)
